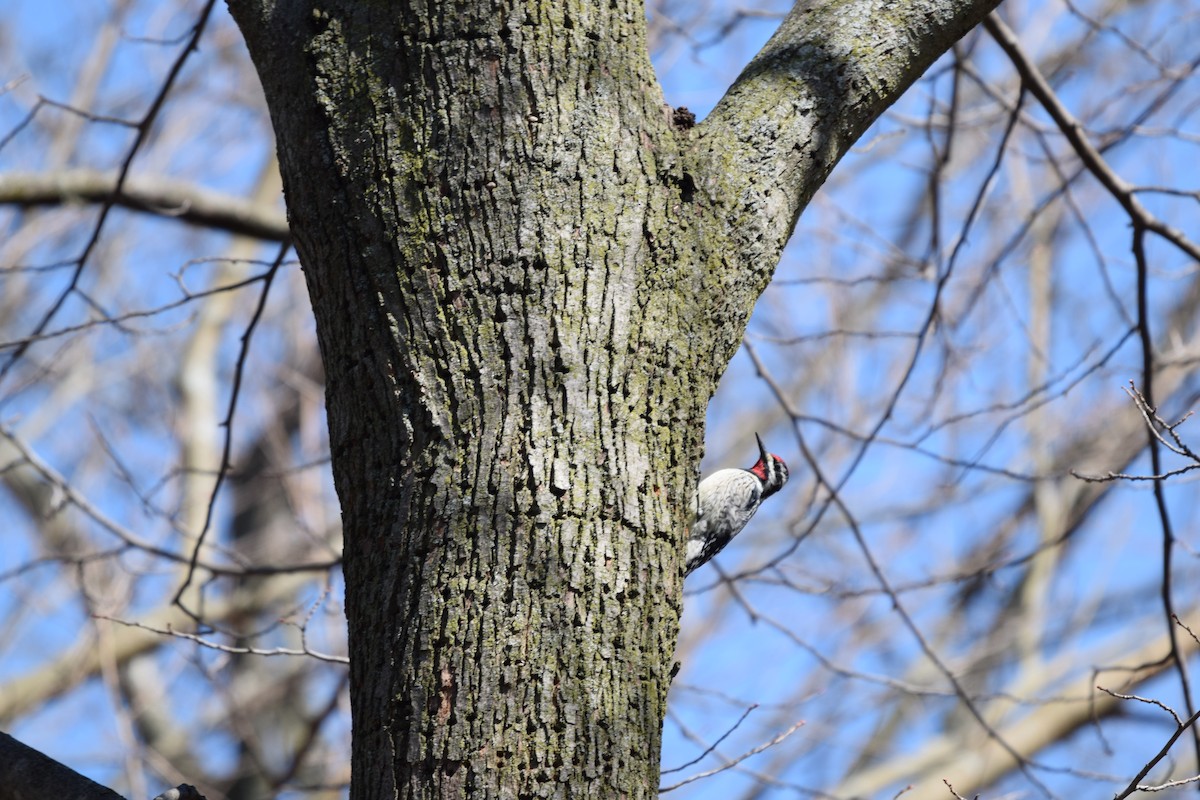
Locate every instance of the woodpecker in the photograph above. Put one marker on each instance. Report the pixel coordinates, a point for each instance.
(725, 502)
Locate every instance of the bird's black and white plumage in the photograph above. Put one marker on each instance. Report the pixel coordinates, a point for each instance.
(725, 502)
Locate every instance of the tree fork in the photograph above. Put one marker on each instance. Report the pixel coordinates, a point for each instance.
(526, 284)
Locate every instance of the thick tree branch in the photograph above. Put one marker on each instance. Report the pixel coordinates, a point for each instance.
(160, 196)
(26, 773)
(826, 75)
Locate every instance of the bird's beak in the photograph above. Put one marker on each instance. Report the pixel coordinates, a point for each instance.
(762, 451)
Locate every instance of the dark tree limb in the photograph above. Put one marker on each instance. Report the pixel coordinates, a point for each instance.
(26, 774)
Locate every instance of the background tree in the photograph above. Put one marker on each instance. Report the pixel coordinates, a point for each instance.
(935, 364)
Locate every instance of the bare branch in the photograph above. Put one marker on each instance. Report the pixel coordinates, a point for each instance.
(734, 762)
(162, 197)
(1071, 128)
(1134, 785)
(226, 648)
(714, 745)
(143, 132)
(825, 75)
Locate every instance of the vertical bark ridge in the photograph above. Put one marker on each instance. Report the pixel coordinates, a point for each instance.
(512, 416)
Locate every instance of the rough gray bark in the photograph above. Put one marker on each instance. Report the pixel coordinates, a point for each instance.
(527, 283)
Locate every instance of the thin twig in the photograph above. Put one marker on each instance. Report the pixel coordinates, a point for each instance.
(729, 765)
(143, 133)
(225, 648)
(714, 745)
(1134, 785)
(1147, 700)
(128, 537)
(227, 424)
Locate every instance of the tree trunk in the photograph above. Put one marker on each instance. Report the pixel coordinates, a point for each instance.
(527, 282)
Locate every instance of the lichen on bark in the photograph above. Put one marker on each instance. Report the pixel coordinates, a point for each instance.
(527, 282)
